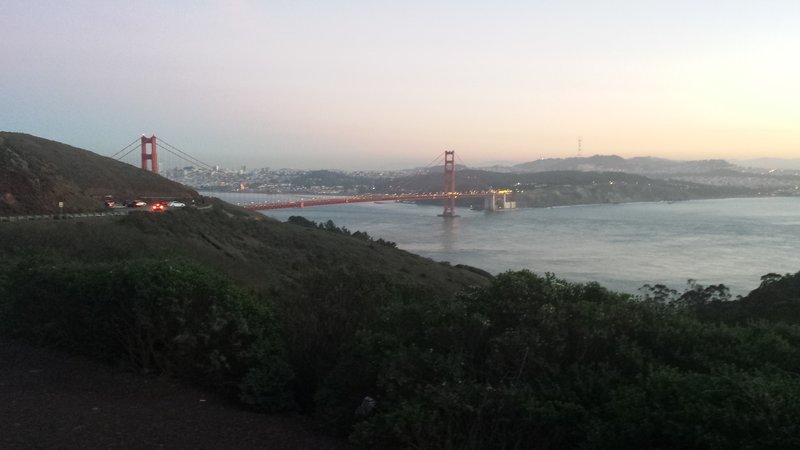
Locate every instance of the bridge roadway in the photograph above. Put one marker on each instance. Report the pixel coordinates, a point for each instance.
(368, 198)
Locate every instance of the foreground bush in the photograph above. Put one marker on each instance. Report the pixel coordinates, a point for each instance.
(537, 362)
(323, 323)
(527, 362)
(168, 317)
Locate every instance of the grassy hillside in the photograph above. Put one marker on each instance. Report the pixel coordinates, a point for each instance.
(143, 269)
(251, 249)
(36, 174)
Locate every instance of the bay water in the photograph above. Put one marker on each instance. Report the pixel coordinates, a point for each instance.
(621, 246)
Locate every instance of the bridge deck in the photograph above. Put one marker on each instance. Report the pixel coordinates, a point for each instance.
(367, 198)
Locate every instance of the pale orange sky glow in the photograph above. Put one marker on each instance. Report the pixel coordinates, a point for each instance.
(365, 85)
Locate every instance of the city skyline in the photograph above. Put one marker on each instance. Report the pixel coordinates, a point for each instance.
(359, 85)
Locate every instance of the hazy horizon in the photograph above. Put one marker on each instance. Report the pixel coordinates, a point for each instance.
(363, 85)
(754, 163)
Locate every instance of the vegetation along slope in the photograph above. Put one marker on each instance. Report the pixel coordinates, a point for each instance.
(397, 351)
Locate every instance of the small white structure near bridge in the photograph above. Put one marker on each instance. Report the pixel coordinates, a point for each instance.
(498, 201)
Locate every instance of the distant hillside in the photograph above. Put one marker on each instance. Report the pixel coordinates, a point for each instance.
(713, 172)
(36, 174)
(573, 187)
(612, 163)
(771, 163)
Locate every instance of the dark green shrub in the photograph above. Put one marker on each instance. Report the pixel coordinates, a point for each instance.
(331, 227)
(725, 408)
(538, 362)
(301, 221)
(161, 316)
(324, 321)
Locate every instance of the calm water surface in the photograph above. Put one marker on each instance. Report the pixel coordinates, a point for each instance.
(623, 246)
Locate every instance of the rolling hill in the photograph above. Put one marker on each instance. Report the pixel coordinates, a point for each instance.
(36, 174)
(649, 166)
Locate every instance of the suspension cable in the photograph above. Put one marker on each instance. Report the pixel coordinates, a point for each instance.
(435, 160)
(123, 149)
(462, 161)
(126, 154)
(186, 157)
(406, 182)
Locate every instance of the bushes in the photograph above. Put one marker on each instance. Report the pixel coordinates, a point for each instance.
(160, 316)
(527, 362)
(323, 322)
(494, 368)
(724, 408)
(331, 227)
(537, 362)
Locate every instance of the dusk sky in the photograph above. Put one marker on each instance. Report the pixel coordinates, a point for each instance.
(362, 85)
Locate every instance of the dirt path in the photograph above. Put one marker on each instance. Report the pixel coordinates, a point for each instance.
(52, 400)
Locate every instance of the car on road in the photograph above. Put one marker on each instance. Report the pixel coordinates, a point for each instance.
(176, 204)
(135, 204)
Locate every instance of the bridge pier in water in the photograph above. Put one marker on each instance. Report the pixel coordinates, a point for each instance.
(490, 203)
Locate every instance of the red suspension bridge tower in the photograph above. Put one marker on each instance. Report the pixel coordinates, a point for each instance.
(152, 156)
(449, 183)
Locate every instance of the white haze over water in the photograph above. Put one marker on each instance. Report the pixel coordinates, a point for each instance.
(622, 246)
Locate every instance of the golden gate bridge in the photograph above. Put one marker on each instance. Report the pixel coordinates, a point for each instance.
(149, 158)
